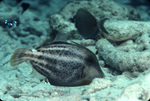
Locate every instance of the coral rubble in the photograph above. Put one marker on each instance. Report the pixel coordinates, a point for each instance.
(124, 54)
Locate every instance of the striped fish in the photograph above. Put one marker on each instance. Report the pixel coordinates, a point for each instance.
(62, 63)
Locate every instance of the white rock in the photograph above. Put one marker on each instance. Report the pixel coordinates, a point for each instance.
(125, 30)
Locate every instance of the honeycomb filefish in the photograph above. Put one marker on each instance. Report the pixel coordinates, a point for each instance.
(62, 63)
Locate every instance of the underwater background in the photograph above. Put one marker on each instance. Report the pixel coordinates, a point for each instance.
(123, 53)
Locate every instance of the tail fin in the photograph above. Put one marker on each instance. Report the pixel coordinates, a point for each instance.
(101, 25)
(18, 56)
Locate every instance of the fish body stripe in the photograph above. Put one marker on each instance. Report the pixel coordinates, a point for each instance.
(55, 50)
(39, 68)
(56, 46)
(54, 61)
(52, 48)
(59, 73)
(58, 57)
(58, 62)
(55, 54)
(64, 53)
(62, 59)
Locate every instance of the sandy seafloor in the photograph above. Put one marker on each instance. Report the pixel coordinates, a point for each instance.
(124, 54)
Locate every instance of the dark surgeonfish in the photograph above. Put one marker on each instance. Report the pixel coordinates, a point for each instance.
(62, 63)
(87, 24)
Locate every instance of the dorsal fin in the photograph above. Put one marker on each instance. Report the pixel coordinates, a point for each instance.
(60, 37)
(57, 38)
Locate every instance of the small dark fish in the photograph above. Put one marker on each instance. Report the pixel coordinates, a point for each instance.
(87, 25)
(25, 6)
(64, 64)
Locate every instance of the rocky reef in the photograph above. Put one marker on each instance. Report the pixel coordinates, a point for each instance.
(123, 54)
